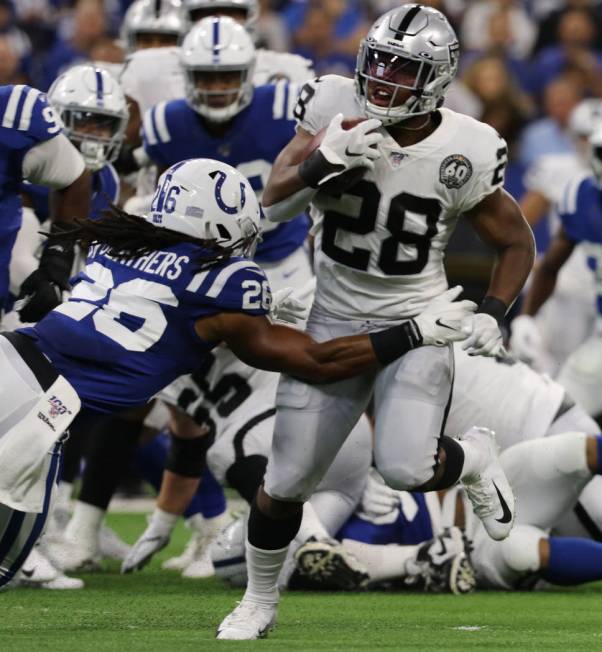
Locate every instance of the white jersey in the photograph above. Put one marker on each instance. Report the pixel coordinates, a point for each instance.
(153, 75)
(511, 399)
(382, 244)
(271, 66)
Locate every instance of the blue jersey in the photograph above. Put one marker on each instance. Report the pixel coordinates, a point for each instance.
(581, 216)
(26, 119)
(173, 132)
(127, 330)
(412, 525)
(105, 190)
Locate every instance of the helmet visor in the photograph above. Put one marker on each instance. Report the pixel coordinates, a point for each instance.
(390, 79)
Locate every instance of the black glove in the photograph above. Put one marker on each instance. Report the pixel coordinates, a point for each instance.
(42, 290)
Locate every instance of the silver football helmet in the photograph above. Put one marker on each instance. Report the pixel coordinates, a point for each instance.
(154, 17)
(199, 9)
(412, 48)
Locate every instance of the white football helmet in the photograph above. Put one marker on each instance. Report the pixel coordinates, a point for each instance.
(412, 48)
(228, 553)
(199, 9)
(585, 117)
(214, 46)
(208, 200)
(154, 17)
(94, 111)
(595, 154)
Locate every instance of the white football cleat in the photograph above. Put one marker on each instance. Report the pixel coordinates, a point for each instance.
(181, 561)
(69, 555)
(249, 621)
(38, 572)
(488, 489)
(149, 543)
(201, 565)
(111, 546)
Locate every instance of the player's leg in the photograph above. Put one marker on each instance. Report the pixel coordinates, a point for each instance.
(36, 407)
(411, 400)
(315, 552)
(311, 425)
(180, 481)
(581, 376)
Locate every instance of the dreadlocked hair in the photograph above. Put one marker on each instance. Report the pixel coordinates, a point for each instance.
(130, 236)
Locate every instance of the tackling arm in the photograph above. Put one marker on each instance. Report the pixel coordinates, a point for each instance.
(546, 273)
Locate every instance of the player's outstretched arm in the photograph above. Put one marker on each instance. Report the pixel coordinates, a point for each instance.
(546, 272)
(260, 343)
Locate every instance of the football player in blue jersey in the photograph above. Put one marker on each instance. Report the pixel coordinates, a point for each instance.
(94, 113)
(158, 292)
(33, 147)
(581, 223)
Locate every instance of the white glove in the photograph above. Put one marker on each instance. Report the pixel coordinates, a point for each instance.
(484, 336)
(441, 321)
(350, 148)
(379, 504)
(526, 341)
(288, 308)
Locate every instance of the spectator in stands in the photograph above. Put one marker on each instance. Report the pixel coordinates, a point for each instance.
(550, 135)
(574, 53)
(328, 32)
(492, 25)
(271, 29)
(548, 22)
(88, 29)
(504, 106)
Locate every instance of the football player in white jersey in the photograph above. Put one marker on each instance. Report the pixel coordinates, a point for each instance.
(379, 251)
(545, 341)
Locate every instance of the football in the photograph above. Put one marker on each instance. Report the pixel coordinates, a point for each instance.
(346, 180)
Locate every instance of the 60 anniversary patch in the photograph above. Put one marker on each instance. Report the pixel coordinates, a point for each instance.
(455, 171)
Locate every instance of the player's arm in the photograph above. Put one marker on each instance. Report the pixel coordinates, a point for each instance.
(499, 223)
(55, 163)
(262, 344)
(546, 272)
(534, 206)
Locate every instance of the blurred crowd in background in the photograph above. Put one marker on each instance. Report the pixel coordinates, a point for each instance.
(524, 65)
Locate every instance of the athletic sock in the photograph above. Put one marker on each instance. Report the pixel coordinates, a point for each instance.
(263, 568)
(85, 522)
(382, 562)
(573, 561)
(472, 460)
(162, 523)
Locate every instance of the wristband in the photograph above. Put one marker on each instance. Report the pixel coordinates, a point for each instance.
(392, 343)
(315, 167)
(494, 307)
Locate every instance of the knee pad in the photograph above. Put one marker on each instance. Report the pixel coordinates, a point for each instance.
(520, 551)
(187, 456)
(402, 477)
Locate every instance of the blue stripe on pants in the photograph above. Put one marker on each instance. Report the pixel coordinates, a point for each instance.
(37, 528)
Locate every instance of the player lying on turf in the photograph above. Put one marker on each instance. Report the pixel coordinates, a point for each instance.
(158, 292)
(387, 532)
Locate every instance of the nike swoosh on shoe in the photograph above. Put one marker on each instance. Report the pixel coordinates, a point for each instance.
(507, 514)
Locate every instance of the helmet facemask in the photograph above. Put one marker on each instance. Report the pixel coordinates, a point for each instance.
(595, 151)
(383, 76)
(221, 104)
(97, 135)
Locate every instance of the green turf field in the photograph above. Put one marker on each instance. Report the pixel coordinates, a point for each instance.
(158, 610)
